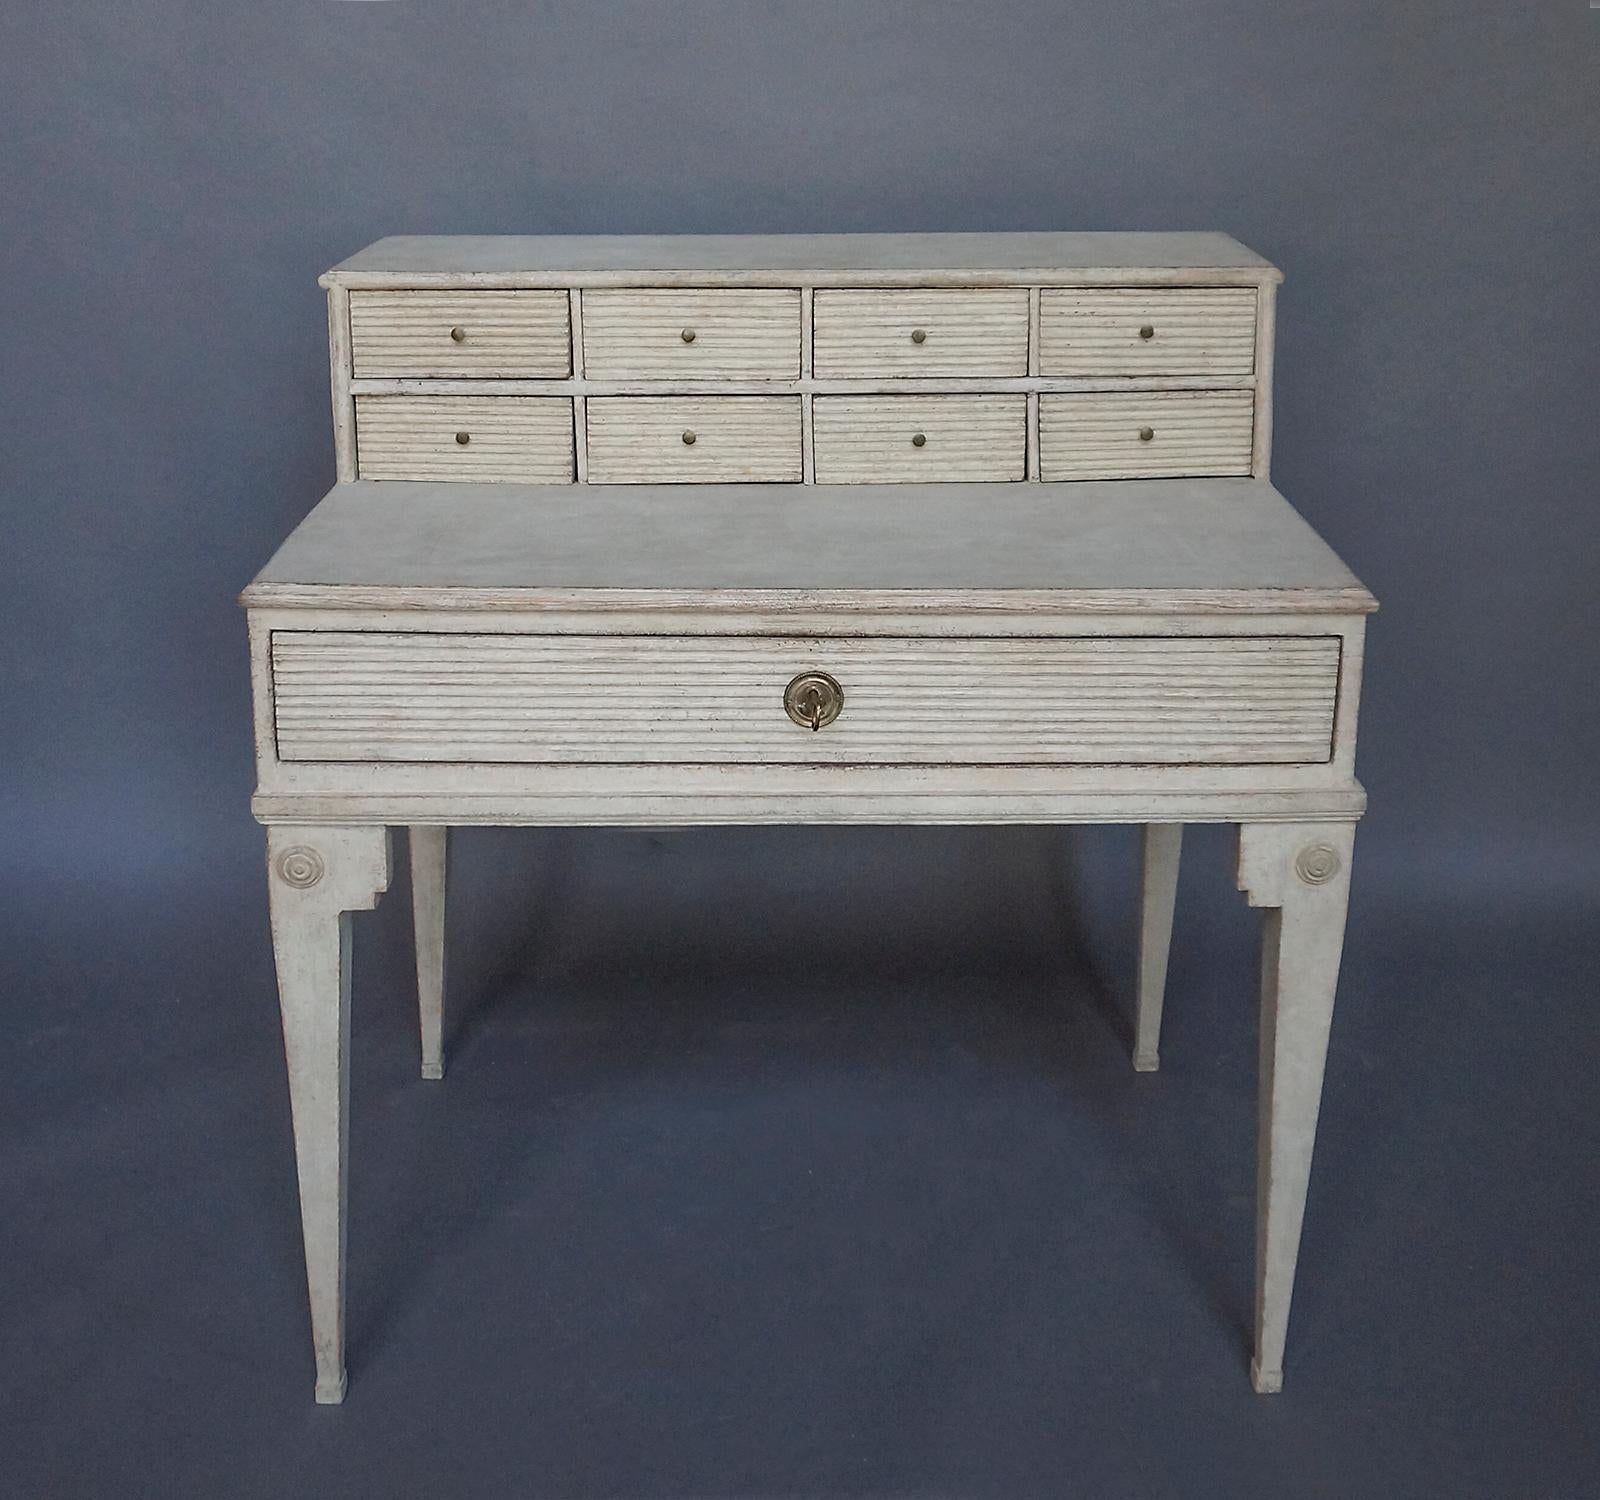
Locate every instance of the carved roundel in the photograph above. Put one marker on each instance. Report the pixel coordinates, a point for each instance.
(300, 866)
(1317, 864)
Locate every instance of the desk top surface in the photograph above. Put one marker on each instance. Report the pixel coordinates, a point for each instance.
(1147, 545)
(508, 254)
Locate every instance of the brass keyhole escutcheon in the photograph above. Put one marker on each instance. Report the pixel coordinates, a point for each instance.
(813, 700)
(459, 335)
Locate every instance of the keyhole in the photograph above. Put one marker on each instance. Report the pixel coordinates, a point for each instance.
(813, 700)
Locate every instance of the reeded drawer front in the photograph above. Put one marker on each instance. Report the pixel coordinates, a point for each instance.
(893, 439)
(1145, 434)
(390, 696)
(867, 334)
(469, 335)
(694, 439)
(665, 334)
(1137, 331)
(508, 439)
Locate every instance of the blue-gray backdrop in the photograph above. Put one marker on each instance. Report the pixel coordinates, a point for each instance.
(691, 1218)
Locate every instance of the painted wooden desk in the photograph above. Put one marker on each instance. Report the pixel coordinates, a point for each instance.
(474, 628)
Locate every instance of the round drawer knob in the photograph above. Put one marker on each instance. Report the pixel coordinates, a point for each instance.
(687, 335)
(1148, 331)
(1146, 434)
(459, 335)
(688, 440)
(463, 438)
(919, 439)
(919, 335)
(813, 699)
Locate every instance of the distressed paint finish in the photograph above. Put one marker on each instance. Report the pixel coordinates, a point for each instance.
(956, 551)
(508, 439)
(1140, 331)
(429, 856)
(878, 332)
(660, 334)
(481, 640)
(1160, 845)
(315, 878)
(1300, 875)
(875, 439)
(1145, 434)
(1065, 258)
(828, 319)
(694, 439)
(463, 333)
(455, 698)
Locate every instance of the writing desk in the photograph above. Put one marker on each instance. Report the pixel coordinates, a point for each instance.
(681, 646)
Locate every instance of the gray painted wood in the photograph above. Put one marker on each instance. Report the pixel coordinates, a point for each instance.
(1300, 876)
(920, 439)
(468, 255)
(491, 439)
(429, 856)
(873, 332)
(629, 700)
(461, 334)
(1225, 536)
(671, 318)
(726, 333)
(1160, 846)
(1145, 435)
(1151, 331)
(693, 440)
(315, 878)
(1129, 650)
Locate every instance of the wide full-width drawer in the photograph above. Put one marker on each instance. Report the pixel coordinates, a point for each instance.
(904, 333)
(509, 439)
(667, 334)
(1145, 434)
(894, 439)
(693, 439)
(1138, 331)
(438, 697)
(470, 335)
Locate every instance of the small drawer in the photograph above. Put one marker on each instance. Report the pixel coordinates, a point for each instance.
(1132, 331)
(470, 335)
(892, 439)
(509, 439)
(694, 439)
(1145, 434)
(691, 335)
(641, 700)
(864, 335)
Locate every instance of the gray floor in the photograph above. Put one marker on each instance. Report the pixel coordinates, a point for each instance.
(800, 1162)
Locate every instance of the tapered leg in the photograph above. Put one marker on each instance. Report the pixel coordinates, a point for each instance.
(1160, 845)
(1301, 874)
(316, 877)
(428, 857)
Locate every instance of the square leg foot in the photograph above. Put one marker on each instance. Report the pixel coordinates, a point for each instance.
(1266, 1382)
(433, 1070)
(1146, 1062)
(331, 1388)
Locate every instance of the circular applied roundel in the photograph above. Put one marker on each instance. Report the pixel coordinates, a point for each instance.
(1317, 864)
(300, 866)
